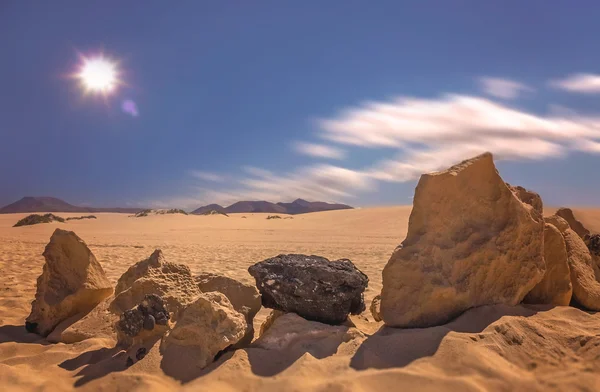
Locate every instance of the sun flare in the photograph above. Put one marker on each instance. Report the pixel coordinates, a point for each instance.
(98, 74)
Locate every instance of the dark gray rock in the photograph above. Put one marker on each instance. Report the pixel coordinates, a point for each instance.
(150, 311)
(129, 362)
(35, 219)
(141, 353)
(311, 286)
(593, 243)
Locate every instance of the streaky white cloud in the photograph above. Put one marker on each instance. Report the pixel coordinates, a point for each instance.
(319, 150)
(206, 176)
(257, 171)
(503, 88)
(584, 83)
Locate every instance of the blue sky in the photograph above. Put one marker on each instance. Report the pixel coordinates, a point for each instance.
(338, 101)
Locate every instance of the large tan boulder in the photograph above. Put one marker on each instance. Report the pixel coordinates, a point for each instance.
(555, 288)
(576, 225)
(471, 241)
(244, 298)
(72, 282)
(207, 326)
(172, 282)
(584, 273)
(557, 222)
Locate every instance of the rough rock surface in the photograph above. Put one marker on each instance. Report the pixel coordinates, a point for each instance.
(376, 308)
(557, 222)
(207, 326)
(555, 288)
(528, 197)
(72, 282)
(576, 226)
(292, 332)
(271, 317)
(593, 243)
(244, 298)
(150, 318)
(311, 286)
(584, 274)
(172, 282)
(471, 241)
(34, 219)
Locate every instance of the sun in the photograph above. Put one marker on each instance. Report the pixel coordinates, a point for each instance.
(98, 74)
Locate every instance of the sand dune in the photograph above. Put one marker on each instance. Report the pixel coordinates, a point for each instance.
(489, 348)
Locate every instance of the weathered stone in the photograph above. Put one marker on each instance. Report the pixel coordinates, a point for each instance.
(576, 225)
(311, 286)
(99, 323)
(557, 222)
(142, 322)
(555, 288)
(271, 317)
(593, 243)
(584, 273)
(140, 353)
(207, 326)
(471, 241)
(292, 332)
(72, 282)
(172, 282)
(376, 308)
(244, 298)
(529, 198)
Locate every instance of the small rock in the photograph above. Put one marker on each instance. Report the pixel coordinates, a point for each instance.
(311, 286)
(131, 322)
(149, 322)
(141, 353)
(376, 308)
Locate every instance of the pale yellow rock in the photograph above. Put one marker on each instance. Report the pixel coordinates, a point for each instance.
(244, 298)
(557, 222)
(172, 282)
(470, 242)
(584, 273)
(376, 308)
(72, 282)
(555, 288)
(99, 323)
(207, 326)
(269, 321)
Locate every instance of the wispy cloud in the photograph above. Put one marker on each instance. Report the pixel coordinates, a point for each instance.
(503, 88)
(319, 150)
(579, 83)
(206, 176)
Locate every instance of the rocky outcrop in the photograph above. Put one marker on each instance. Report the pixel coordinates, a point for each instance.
(207, 326)
(292, 332)
(172, 282)
(34, 219)
(82, 217)
(311, 286)
(148, 319)
(72, 282)
(271, 317)
(375, 308)
(584, 274)
(557, 222)
(576, 225)
(593, 243)
(144, 213)
(529, 198)
(471, 241)
(555, 288)
(244, 298)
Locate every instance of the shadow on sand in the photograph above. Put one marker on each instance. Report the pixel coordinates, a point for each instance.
(18, 334)
(394, 347)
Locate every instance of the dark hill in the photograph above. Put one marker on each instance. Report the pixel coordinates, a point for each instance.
(52, 204)
(211, 207)
(298, 206)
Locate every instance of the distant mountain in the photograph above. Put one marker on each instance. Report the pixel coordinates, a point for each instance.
(211, 207)
(52, 204)
(298, 206)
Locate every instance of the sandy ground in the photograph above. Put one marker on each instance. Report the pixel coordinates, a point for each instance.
(489, 348)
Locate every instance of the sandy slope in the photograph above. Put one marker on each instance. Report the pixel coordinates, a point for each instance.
(495, 348)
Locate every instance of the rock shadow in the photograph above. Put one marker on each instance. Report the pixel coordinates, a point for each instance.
(96, 364)
(18, 334)
(395, 347)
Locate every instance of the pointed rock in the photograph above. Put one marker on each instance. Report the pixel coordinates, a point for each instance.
(576, 225)
(471, 241)
(172, 282)
(72, 282)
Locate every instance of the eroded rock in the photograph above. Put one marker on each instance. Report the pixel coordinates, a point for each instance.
(376, 308)
(171, 282)
(576, 225)
(311, 286)
(72, 282)
(584, 274)
(244, 298)
(471, 241)
(555, 287)
(207, 326)
(557, 222)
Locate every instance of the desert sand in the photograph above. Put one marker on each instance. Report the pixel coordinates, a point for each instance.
(488, 348)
